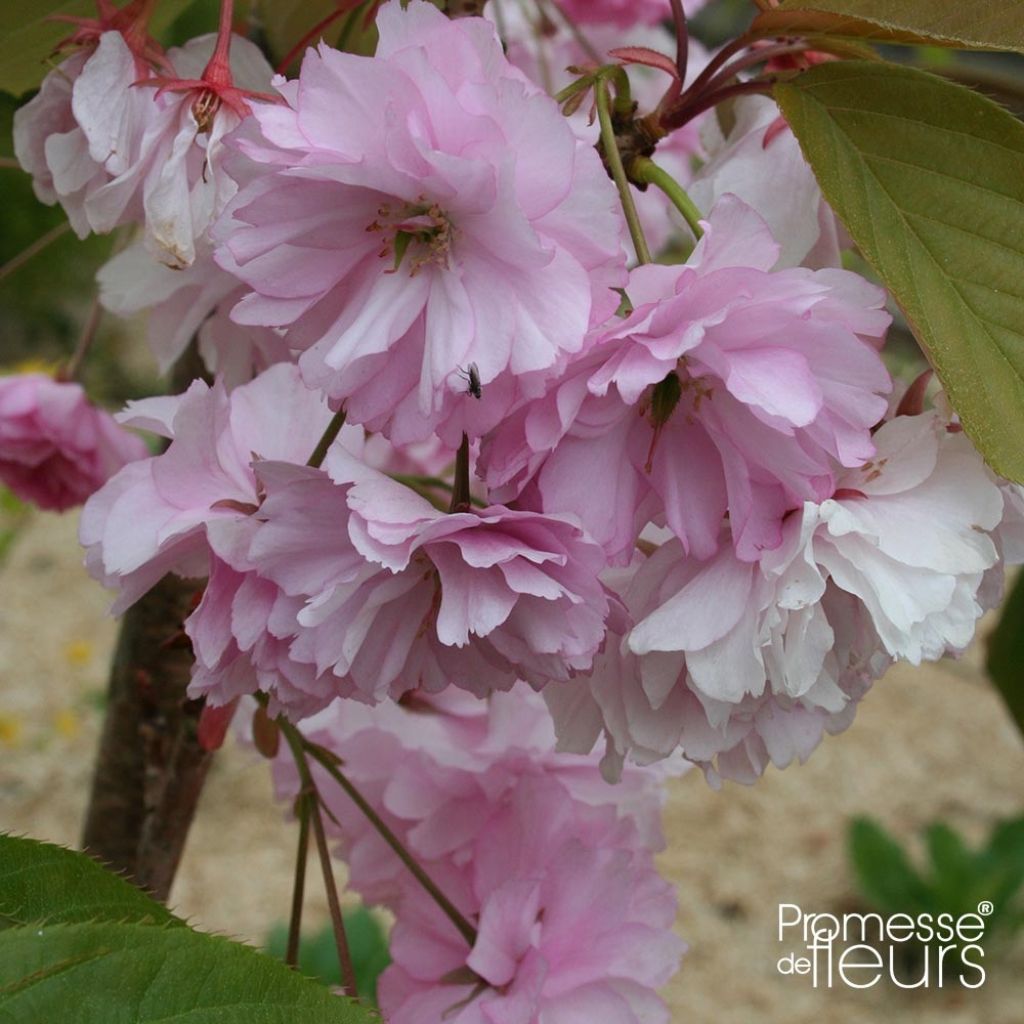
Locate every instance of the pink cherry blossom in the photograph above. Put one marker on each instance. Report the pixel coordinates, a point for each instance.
(102, 140)
(185, 303)
(729, 388)
(553, 866)
(422, 210)
(372, 591)
(740, 664)
(571, 924)
(772, 659)
(81, 137)
(760, 162)
(56, 448)
(86, 171)
(916, 546)
(152, 517)
(187, 187)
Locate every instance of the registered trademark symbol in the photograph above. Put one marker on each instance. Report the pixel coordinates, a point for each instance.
(985, 908)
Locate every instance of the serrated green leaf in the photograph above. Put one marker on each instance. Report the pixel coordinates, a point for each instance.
(975, 25)
(884, 872)
(42, 882)
(28, 36)
(1005, 662)
(137, 974)
(928, 178)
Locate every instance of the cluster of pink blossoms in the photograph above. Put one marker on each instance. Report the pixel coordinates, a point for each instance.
(681, 501)
(554, 866)
(660, 532)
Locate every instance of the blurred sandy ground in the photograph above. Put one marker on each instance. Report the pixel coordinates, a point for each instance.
(928, 743)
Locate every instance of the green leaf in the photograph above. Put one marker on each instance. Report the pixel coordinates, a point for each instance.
(886, 877)
(928, 178)
(27, 36)
(955, 871)
(42, 882)
(1004, 856)
(1005, 661)
(974, 25)
(136, 974)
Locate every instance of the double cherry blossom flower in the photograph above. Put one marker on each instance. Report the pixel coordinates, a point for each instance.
(417, 212)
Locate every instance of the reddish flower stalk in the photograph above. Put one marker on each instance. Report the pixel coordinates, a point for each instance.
(762, 55)
(132, 21)
(713, 86)
(216, 87)
(682, 39)
(686, 113)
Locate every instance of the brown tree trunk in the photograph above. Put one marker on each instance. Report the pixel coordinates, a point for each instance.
(150, 767)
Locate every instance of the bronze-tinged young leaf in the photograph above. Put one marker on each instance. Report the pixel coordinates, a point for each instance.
(28, 36)
(140, 974)
(928, 178)
(963, 24)
(43, 882)
(1005, 662)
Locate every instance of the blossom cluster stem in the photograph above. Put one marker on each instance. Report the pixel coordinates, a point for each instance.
(73, 367)
(348, 973)
(291, 956)
(719, 60)
(713, 99)
(610, 146)
(646, 170)
(17, 262)
(462, 500)
(749, 60)
(330, 435)
(682, 39)
(331, 765)
(310, 796)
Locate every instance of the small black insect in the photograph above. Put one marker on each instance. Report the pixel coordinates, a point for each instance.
(472, 379)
